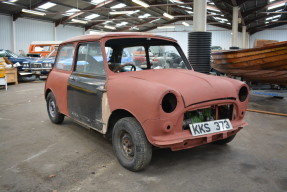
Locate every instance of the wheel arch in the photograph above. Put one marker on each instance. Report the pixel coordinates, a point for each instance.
(47, 92)
(114, 117)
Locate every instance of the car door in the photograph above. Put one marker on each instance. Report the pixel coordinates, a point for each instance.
(86, 85)
(61, 74)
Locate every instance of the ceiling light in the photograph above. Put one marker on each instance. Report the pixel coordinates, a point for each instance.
(166, 27)
(122, 24)
(96, 2)
(134, 28)
(121, 12)
(141, 3)
(79, 21)
(106, 22)
(144, 16)
(109, 27)
(154, 20)
(92, 16)
(13, 1)
(276, 6)
(274, 17)
(33, 12)
(212, 9)
(120, 5)
(176, 1)
(185, 7)
(47, 5)
(71, 11)
(184, 23)
(168, 16)
(136, 11)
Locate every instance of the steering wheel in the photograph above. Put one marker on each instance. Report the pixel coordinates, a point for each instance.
(133, 67)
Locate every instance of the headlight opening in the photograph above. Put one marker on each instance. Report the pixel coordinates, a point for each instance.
(243, 93)
(169, 103)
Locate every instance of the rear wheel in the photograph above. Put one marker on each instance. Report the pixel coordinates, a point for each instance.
(53, 111)
(130, 144)
(225, 141)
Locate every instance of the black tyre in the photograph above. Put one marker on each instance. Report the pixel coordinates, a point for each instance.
(225, 141)
(130, 144)
(53, 111)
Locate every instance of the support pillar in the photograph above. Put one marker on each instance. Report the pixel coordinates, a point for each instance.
(235, 27)
(55, 33)
(247, 40)
(14, 36)
(199, 15)
(244, 37)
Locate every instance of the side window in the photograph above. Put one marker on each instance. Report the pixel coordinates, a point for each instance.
(65, 57)
(90, 59)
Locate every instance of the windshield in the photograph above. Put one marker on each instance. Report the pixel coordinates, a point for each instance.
(11, 54)
(52, 54)
(147, 54)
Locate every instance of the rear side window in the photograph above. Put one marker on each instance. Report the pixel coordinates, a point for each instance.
(90, 59)
(65, 57)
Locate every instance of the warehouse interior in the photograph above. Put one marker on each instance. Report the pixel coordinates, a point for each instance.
(243, 40)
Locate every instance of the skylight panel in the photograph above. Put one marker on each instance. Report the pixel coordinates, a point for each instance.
(213, 9)
(47, 5)
(273, 17)
(120, 5)
(71, 11)
(275, 6)
(92, 16)
(122, 24)
(96, 2)
(144, 16)
(176, 1)
(154, 20)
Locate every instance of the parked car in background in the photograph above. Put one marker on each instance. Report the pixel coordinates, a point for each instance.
(42, 66)
(43, 48)
(24, 68)
(136, 107)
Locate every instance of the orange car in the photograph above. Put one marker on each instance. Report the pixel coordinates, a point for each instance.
(43, 47)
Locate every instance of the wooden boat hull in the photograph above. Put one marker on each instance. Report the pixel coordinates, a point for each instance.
(266, 64)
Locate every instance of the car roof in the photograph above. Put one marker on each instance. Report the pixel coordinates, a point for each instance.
(46, 42)
(98, 36)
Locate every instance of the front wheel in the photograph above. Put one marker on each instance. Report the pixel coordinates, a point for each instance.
(130, 144)
(53, 111)
(225, 141)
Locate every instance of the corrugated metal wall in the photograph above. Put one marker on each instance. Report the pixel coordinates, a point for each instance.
(28, 30)
(6, 32)
(65, 32)
(220, 36)
(276, 33)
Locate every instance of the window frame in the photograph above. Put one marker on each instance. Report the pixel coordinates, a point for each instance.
(76, 57)
(58, 56)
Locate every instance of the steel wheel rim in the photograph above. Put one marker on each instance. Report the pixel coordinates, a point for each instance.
(127, 144)
(52, 108)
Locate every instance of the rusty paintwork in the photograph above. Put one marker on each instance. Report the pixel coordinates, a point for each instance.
(141, 92)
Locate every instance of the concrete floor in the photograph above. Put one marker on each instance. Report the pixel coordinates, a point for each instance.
(36, 155)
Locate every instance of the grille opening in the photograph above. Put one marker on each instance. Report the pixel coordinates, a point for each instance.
(207, 114)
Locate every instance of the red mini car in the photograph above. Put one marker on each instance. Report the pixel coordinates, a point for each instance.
(167, 106)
